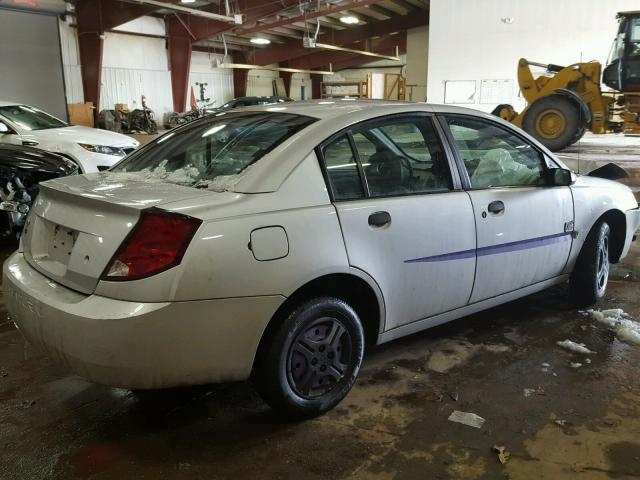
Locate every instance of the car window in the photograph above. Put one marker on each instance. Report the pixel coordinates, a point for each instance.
(342, 170)
(30, 118)
(209, 154)
(495, 157)
(402, 156)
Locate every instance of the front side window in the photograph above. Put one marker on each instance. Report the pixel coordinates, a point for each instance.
(495, 157)
(30, 118)
(210, 154)
(402, 157)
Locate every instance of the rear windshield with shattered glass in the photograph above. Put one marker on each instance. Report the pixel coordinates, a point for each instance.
(213, 153)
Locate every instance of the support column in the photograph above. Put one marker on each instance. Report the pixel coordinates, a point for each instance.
(240, 76)
(316, 79)
(179, 43)
(90, 40)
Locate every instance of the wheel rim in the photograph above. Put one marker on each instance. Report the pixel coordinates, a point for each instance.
(551, 123)
(320, 357)
(603, 264)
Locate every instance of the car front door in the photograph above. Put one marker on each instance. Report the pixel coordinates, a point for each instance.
(405, 219)
(524, 225)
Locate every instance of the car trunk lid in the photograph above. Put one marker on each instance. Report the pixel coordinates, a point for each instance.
(77, 223)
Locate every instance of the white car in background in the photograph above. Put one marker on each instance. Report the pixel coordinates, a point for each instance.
(91, 149)
(274, 242)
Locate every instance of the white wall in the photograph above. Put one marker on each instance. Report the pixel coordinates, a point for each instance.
(133, 66)
(475, 41)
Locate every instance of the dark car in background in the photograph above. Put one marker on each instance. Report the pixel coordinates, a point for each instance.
(21, 170)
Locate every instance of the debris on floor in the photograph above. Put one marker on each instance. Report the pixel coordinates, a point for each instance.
(533, 391)
(622, 324)
(574, 346)
(503, 453)
(575, 364)
(467, 418)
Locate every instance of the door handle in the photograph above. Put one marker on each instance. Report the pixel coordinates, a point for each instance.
(29, 143)
(379, 219)
(496, 207)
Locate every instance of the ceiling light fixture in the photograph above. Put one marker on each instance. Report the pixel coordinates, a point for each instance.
(187, 1)
(260, 41)
(349, 19)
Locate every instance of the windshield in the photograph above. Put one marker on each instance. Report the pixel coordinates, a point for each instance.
(30, 118)
(212, 153)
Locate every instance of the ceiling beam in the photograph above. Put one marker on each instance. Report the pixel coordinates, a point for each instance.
(306, 17)
(294, 49)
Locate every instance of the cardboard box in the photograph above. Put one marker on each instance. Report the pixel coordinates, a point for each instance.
(81, 114)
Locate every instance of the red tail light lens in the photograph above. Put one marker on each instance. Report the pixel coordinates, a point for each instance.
(156, 243)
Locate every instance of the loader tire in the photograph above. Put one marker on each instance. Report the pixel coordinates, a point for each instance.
(554, 121)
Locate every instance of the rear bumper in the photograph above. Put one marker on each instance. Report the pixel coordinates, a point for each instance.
(633, 224)
(136, 345)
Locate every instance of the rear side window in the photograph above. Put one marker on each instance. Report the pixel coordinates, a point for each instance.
(397, 156)
(342, 170)
(209, 154)
(402, 157)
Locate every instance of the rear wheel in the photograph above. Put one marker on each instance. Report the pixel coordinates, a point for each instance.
(554, 121)
(589, 278)
(310, 362)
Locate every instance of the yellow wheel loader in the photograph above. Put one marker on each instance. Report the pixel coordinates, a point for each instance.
(564, 102)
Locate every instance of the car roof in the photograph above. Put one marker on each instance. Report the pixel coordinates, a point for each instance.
(9, 104)
(335, 108)
(332, 115)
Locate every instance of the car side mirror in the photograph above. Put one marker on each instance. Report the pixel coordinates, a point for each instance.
(4, 129)
(562, 177)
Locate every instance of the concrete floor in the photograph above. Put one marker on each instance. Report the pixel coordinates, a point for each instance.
(576, 423)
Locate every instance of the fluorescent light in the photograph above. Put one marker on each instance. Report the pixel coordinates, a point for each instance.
(260, 41)
(349, 19)
(187, 1)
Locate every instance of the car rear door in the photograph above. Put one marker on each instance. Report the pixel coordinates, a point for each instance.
(524, 225)
(405, 219)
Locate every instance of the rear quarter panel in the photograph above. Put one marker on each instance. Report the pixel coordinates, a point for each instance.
(219, 262)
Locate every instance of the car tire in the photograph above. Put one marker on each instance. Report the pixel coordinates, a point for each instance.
(588, 282)
(310, 361)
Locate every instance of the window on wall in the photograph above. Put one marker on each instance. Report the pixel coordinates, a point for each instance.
(495, 157)
(402, 156)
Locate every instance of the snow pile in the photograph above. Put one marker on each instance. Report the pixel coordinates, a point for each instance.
(574, 347)
(621, 323)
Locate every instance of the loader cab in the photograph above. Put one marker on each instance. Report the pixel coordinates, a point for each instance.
(622, 72)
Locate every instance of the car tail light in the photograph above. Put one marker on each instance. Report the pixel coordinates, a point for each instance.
(156, 243)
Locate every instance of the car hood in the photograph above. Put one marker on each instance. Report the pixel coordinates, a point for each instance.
(26, 159)
(80, 134)
(587, 181)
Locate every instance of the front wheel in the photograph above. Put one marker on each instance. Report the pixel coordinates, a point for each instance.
(311, 361)
(589, 278)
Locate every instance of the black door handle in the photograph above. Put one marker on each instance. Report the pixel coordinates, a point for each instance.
(379, 219)
(496, 207)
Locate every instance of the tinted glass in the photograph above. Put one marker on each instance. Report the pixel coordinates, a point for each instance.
(210, 153)
(30, 118)
(495, 157)
(342, 170)
(402, 156)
